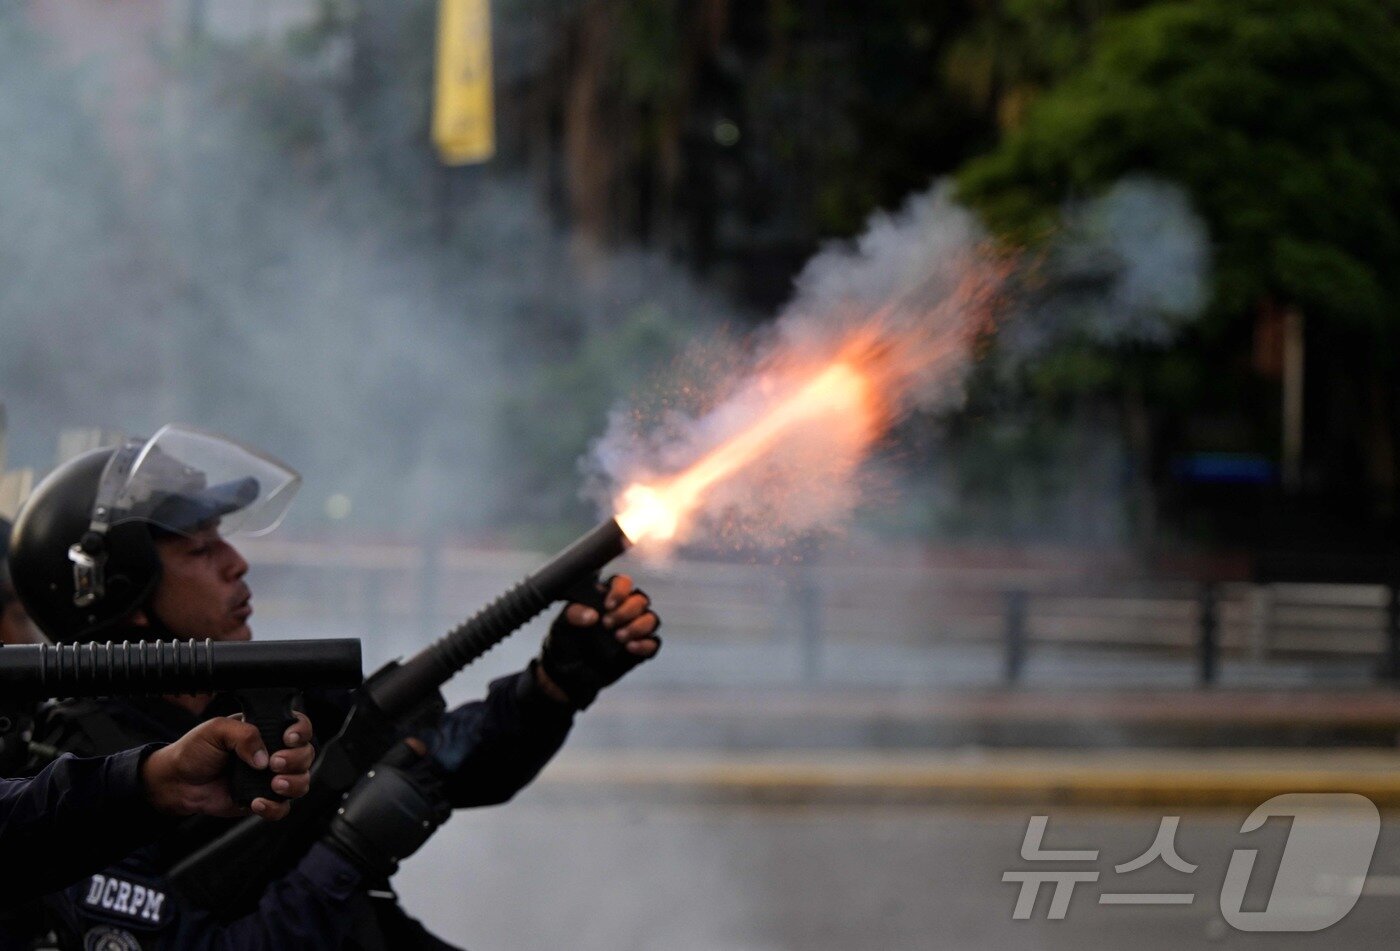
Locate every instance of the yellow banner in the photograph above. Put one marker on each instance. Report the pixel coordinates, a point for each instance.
(463, 118)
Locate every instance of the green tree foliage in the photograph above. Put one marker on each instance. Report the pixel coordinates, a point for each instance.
(1283, 121)
(1281, 118)
(736, 135)
(1012, 49)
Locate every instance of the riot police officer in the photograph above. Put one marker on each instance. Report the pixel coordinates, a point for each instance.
(137, 536)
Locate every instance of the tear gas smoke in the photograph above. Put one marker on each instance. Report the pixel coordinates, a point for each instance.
(875, 330)
(766, 439)
(166, 260)
(1130, 266)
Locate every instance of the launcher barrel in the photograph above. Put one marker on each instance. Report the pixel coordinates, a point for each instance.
(33, 672)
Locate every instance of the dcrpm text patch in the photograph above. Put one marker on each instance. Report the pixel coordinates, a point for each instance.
(124, 900)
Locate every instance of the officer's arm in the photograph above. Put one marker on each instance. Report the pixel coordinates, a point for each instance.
(74, 817)
(79, 815)
(488, 750)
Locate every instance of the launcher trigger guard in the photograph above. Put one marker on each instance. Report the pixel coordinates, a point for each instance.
(587, 590)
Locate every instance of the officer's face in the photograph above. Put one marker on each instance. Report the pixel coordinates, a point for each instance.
(202, 592)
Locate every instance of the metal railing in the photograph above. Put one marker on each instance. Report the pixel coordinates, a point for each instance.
(1010, 613)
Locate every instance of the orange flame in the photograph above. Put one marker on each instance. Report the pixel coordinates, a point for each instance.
(840, 404)
(657, 511)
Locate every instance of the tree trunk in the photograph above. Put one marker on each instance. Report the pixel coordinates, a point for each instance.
(590, 131)
(1381, 443)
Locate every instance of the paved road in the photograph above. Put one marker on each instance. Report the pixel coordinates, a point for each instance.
(548, 873)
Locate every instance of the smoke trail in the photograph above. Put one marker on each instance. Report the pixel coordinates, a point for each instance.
(906, 300)
(920, 287)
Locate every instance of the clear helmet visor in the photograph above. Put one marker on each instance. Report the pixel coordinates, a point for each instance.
(183, 479)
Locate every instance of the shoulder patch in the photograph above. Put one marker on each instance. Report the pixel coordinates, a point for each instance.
(103, 938)
(124, 899)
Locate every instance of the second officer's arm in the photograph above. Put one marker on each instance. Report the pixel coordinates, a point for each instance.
(78, 815)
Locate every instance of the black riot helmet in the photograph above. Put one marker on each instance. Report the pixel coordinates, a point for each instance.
(83, 556)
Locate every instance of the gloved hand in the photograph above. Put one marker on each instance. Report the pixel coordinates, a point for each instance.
(387, 816)
(591, 645)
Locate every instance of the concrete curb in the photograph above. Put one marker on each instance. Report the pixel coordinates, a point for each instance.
(1109, 777)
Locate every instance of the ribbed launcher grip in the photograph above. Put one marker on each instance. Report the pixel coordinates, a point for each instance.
(492, 624)
(566, 573)
(569, 573)
(37, 671)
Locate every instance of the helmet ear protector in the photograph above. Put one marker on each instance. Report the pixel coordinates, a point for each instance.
(89, 553)
(73, 581)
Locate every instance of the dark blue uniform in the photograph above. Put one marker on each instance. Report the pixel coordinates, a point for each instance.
(74, 816)
(485, 752)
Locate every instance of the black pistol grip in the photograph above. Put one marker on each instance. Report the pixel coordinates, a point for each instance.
(270, 710)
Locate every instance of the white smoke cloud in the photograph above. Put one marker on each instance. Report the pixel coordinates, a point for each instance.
(1129, 267)
(915, 283)
(910, 263)
(222, 283)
